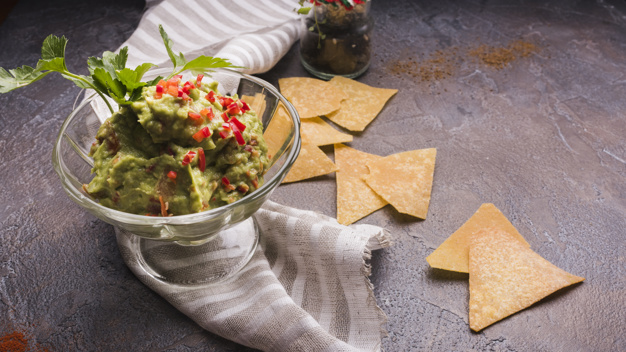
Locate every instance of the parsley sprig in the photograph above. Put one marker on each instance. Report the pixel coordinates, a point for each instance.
(108, 75)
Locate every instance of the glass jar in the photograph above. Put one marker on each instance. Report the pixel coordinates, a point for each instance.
(336, 41)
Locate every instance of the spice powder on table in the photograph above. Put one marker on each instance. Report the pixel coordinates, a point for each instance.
(442, 64)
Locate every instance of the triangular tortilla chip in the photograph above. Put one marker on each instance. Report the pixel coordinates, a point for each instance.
(311, 97)
(277, 133)
(404, 180)
(453, 253)
(506, 276)
(311, 162)
(362, 106)
(256, 102)
(355, 199)
(317, 131)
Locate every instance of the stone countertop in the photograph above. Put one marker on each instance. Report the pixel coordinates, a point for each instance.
(543, 138)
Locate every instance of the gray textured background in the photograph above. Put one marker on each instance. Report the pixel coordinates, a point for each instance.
(544, 139)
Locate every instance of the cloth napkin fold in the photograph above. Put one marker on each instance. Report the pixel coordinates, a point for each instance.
(306, 287)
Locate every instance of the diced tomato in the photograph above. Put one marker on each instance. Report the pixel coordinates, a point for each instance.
(162, 83)
(201, 159)
(239, 124)
(202, 134)
(225, 181)
(172, 90)
(188, 158)
(174, 80)
(158, 95)
(172, 176)
(207, 113)
(185, 97)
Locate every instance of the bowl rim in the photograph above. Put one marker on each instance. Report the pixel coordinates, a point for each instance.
(135, 219)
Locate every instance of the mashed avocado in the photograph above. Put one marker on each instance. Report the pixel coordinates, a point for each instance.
(180, 149)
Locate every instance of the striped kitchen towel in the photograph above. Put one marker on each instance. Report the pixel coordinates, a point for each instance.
(250, 33)
(305, 289)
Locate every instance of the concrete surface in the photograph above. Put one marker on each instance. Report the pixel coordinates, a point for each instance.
(543, 138)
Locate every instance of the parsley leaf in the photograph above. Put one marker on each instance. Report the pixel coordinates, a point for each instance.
(201, 64)
(108, 75)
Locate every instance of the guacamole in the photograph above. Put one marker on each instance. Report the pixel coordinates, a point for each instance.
(181, 148)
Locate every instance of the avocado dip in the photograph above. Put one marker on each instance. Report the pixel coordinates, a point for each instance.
(181, 148)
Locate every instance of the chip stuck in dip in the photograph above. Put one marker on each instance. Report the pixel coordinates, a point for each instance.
(182, 148)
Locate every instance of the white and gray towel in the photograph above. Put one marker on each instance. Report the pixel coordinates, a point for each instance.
(250, 33)
(306, 288)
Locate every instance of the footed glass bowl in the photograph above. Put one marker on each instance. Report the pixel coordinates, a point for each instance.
(229, 231)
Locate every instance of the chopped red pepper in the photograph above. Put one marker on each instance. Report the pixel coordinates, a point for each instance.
(244, 106)
(233, 109)
(224, 134)
(172, 176)
(210, 97)
(187, 87)
(225, 101)
(225, 181)
(225, 117)
(201, 159)
(199, 80)
(195, 118)
(238, 123)
(207, 113)
(239, 137)
(185, 97)
(188, 158)
(226, 126)
(164, 206)
(202, 134)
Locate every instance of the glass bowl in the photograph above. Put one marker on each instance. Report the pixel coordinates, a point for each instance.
(223, 230)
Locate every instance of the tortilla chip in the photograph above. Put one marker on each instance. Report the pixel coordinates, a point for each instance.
(256, 102)
(311, 162)
(362, 106)
(506, 276)
(277, 133)
(453, 253)
(355, 199)
(311, 97)
(404, 180)
(317, 131)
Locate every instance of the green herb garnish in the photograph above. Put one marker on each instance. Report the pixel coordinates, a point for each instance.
(108, 75)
